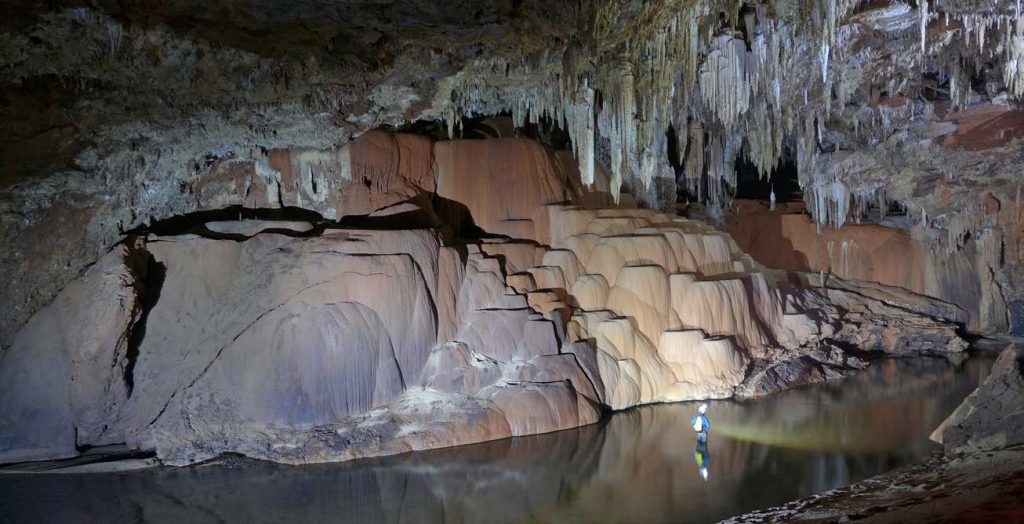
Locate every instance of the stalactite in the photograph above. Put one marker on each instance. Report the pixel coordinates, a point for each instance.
(582, 133)
(694, 167)
(725, 79)
(1013, 68)
(729, 69)
(923, 8)
(721, 160)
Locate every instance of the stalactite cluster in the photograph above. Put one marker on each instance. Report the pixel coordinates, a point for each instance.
(732, 79)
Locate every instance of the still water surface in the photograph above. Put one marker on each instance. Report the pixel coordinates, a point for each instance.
(636, 466)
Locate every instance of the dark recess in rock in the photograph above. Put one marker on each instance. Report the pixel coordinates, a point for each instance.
(149, 280)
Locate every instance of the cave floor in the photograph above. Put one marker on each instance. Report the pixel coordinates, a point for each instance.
(973, 487)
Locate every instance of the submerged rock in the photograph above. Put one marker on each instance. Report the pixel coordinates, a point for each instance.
(993, 415)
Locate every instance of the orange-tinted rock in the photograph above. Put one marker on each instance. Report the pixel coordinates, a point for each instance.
(590, 292)
(719, 308)
(502, 181)
(985, 127)
(675, 290)
(516, 256)
(338, 343)
(540, 407)
(549, 277)
(642, 293)
(703, 367)
(521, 282)
(375, 171)
(873, 253)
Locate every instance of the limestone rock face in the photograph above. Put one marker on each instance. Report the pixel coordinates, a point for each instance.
(784, 375)
(993, 415)
(63, 376)
(503, 181)
(287, 337)
(263, 109)
(787, 238)
(375, 171)
(332, 328)
(675, 311)
(303, 342)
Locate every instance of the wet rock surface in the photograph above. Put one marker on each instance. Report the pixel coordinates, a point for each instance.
(979, 478)
(788, 374)
(816, 438)
(993, 416)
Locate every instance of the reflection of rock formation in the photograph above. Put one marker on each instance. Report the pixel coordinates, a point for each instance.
(500, 481)
(395, 330)
(636, 466)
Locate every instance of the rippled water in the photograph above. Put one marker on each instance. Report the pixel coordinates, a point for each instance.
(637, 466)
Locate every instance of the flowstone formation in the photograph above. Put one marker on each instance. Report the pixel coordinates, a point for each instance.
(411, 327)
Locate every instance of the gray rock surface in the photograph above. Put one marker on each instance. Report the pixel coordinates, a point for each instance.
(343, 341)
(769, 378)
(294, 349)
(993, 416)
(64, 375)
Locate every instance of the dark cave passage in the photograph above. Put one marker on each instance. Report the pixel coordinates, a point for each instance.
(750, 184)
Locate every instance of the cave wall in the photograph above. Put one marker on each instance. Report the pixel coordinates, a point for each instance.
(787, 238)
(445, 313)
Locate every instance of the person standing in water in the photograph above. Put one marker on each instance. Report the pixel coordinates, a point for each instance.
(701, 424)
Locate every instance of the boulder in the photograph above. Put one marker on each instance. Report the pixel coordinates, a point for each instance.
(65, 373)
(993, 415)
(780, 376)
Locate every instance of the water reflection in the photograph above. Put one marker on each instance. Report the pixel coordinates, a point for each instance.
(643, 465)
(702, 456)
